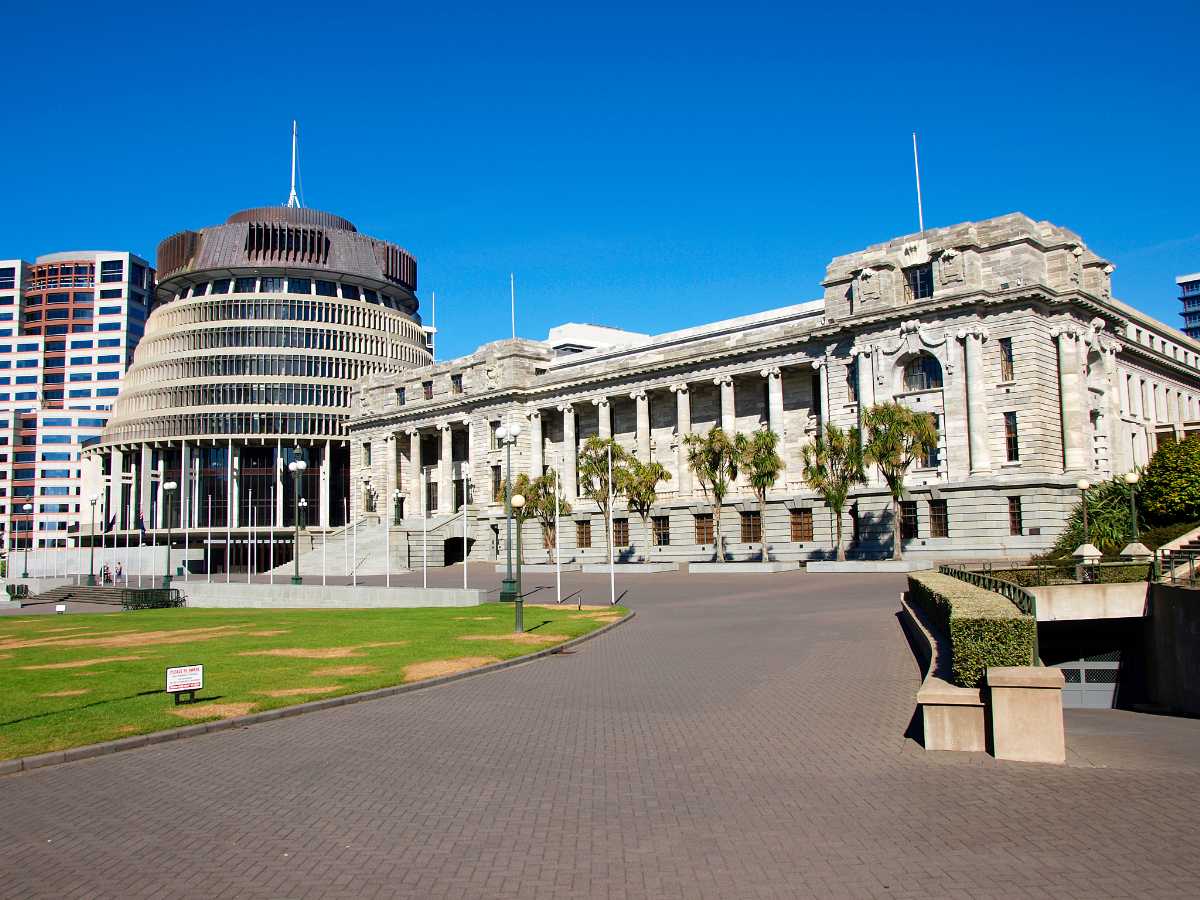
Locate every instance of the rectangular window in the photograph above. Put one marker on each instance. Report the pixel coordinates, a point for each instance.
(349, 292)
(620, 532)
(1012, 446)
(583, 535)
(497, 485)
(326, 289)
(399, 396)
(1006, 360)
(366, 453)
(704, 528)
(271, 284)
(299, 286)
(939, 519)
(661, 526)
(852, 381)
(802, 525)
(427, 390)
(243, 285)
(933, 458)
(751, 527)
(112, 270)
(456, 384)
(1015, 523)
(908, 520)
(493, 441)
(220, 286)
(198, 290)
(919, 281)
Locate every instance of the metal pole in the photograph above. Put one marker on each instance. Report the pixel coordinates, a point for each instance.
(296, 528)
(557, 542)
(1083, 493)
(387, 549)
(519, 619)
(92, 549)
(271, 539)
(1133, 510)
(508, 592)
(425, 548)
(466, 499)
(324, 553)
(250, 541)
(208, 543)
(354, 567)
(612, 572)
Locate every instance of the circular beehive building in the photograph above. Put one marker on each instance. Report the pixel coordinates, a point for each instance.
(259, 329)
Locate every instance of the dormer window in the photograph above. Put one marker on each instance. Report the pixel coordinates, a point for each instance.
(427, 390)
(919, 281)
(456, 384)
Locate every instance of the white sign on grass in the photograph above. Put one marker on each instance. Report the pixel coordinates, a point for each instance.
(185, 678)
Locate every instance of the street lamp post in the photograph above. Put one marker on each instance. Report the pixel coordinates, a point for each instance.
(507, 435)
(296, 467)
(396, 506)
(92, 546)
(518, 502)
(168, 488)
(28, 509)
(1083, 484)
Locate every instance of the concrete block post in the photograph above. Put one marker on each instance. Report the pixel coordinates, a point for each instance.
(683, 427)
(1026, 711)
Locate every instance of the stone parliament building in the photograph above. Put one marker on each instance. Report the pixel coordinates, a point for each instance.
(1005, 330)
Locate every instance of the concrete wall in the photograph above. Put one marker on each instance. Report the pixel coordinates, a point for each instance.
(1073, 602)
(146, 561)
(308, 596)
(1173, 648)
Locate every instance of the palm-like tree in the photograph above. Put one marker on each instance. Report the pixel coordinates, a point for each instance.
(896, 437)
(762, 466)
(641, 487)
(713, 459)
(832, 465)
(594, 475)
(526, 488)
(542, 498)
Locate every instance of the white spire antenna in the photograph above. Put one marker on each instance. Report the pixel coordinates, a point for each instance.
(293, 199)
(917, 169)
(512, 302)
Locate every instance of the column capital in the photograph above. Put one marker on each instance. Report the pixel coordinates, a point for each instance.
(722, 380)
(864, 350)
(639, 394)
(819, 364)
(566, 407)
(680, 387)
(1068, 330)
(771, 372)
(444, 426)
(596, 401)
(973, 331)
(533, 414)
(413, 432)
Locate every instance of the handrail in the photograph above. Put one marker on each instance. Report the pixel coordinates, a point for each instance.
(1022, 599)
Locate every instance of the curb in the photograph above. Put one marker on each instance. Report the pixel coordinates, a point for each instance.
(91, 751)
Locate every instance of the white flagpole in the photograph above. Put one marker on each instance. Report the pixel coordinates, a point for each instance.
(208, 543)
(354, 562)
(324, 554)
(346, 543)
(917, 170)
(250, 541)
(512, 302)
(425, 549)
(387, 548)
(466, 497)
(271, 550)
(557, 542)
(612, 572)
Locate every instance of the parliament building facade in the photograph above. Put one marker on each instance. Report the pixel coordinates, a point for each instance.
(1005, 330)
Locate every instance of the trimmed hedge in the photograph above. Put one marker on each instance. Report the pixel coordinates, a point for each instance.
(984, 628)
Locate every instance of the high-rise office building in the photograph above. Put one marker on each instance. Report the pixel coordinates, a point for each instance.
(1189, 296)
(68, 326)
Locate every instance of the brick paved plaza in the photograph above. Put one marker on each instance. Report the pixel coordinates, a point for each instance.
(741, 737)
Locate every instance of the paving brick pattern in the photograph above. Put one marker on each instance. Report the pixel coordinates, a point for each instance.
(742, 737)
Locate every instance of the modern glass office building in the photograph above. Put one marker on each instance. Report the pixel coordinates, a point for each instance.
(259, 328)
(1189, 296)
(68, 325)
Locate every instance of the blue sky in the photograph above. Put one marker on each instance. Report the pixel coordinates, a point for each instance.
(646, 166)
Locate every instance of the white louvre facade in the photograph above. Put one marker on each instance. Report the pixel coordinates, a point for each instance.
(1004, 329)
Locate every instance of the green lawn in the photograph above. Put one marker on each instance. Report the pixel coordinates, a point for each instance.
(77, 679)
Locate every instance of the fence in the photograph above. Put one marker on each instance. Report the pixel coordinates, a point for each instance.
(1022, 599)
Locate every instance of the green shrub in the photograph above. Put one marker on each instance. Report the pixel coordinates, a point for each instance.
(1169, 490)
(1163, 534)
(984, 628)
(1109, 528)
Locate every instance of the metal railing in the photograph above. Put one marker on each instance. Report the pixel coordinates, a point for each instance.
(1176, 567)
(1022, 599)
(150, 598)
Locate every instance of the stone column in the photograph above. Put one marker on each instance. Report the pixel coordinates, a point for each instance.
(390, 481)
(604, 417)
(232, 461)
(184, 490)
(728, 409)
(865, 381)
(774, 399)
(160, 519)
(416, 476)
(683, 427)
(1072, 412)
(445, 471)
(325, 511)
(643, 424)
(822, 368)
(535, 444)
(569, 478)
(144, 467)
(1118, 447)
(281, 472)
(978, 438)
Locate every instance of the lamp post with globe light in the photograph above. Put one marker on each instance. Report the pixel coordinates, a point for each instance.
(28, 510)
(92, 546)
(518, 502)
(507, 436)
(296, 467)
(1131, 479)
(168, 488)
(1083, 484)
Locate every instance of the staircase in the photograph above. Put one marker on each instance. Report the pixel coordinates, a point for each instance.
(364, 553)
(80, 594)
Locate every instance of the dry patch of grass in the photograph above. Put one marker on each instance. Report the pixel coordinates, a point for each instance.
(322, 652)
(81, 663)
(439, 667)
(74, 693)
(270, 632)
(127, 638)
(301, 691)
(521, 637)
(197, 711)
(474, 618)
(343, 671)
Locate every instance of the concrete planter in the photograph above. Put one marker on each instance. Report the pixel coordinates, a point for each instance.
(501, 568)
(647, 568)
(741, 568)
(878, 566)
(1026, 711)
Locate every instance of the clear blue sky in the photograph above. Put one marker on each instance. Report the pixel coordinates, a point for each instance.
(649, 166)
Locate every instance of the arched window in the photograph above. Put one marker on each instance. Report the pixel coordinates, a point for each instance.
(922, 373)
